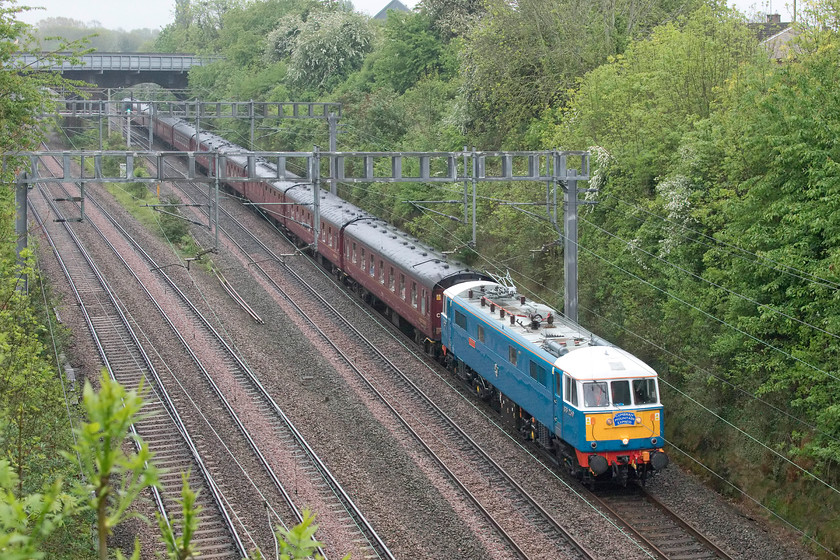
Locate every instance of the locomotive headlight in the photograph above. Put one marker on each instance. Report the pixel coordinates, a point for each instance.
(625, 441)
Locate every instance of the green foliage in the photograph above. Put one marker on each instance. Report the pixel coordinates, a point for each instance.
(785, 128)
(139, 190)
(28, 521)
(641, 104)
(330, 45)
(22, 92)
(410, 51)
(522, 59)
(31, 407)
(112, 478)
(453, 17)
(299, 541)
(174, 228)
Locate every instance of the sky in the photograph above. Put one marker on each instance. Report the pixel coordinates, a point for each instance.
(156, 14)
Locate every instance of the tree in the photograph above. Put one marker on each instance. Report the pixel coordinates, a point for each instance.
(778, 140)
(329, 46)
(453, 18)
(23, 97)
(523, 58)
(411, 50)
(31, 413)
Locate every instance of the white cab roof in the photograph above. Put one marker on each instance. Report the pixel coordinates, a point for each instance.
(603, 362)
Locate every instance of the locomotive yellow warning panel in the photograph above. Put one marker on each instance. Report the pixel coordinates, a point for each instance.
(622, 425)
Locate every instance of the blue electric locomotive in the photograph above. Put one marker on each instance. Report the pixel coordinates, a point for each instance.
(595, 405)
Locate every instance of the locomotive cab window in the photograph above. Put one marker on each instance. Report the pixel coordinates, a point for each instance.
(512, 353)
(570, 394)
(480, 333)
(595, 394)
(644, 391)
(620, 393)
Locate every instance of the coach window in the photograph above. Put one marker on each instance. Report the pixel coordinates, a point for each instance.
(362, 262)
(402, 286)
(330, 237)
(512, 354)
(644, 391)
(620, 392)
(391, 279)
(480, 333)
(381, 272)
(414, 295)
(354, 253)
(537, 372)
(371, 267)
(423, 302)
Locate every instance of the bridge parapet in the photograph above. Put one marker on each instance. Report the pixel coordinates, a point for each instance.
(120, 70)
(118, 62)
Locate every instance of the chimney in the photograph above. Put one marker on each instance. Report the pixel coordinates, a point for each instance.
(774, 18)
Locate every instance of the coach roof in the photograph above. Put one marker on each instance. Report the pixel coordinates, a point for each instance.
(408, 253)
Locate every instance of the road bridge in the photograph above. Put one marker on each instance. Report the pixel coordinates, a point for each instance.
(120, 70)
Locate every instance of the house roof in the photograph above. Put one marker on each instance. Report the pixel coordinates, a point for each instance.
(774, 35)
(392, 5)
(767, 30)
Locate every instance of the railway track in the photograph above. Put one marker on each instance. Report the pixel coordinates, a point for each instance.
(514, 515)
(128, 363)
(284, 436)
(663, 532)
